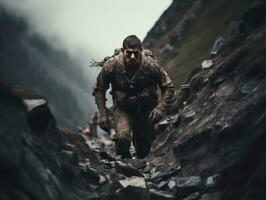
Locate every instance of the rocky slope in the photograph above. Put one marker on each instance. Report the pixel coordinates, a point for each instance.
(185, 33)
(211, 147)
(29, 61)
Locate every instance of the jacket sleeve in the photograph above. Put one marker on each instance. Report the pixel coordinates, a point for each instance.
(167, 89)
(101, 86)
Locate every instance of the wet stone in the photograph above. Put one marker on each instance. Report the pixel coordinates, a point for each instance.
(146, 176)
(110, 188)
(164, 174)
(162, 184)
(72, 156)
(160, 195)
(102, 180)
(189, 117)
(89, 173)
(69, 147)
(193, 196)
(212, 181)
(133, 181)
(248, 88)
(152, 185)
(211, 196)
(132, 193)
(171, 184)
(187, 185)
(138, 164)
(185, 86)
(218, 46)
(148, 168)
(126, 170)
(33, 103)
(171, 120)
(106, 156)
(155, 175)
(207, 64)
(192, 181)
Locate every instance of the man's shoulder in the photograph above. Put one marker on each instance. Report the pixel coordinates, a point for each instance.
(110, 64)
(151, 63)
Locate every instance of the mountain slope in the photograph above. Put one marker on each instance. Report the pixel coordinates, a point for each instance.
(28, 60)
(183, 36)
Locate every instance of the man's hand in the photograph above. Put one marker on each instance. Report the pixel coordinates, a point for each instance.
(104, 122)
(156, 115)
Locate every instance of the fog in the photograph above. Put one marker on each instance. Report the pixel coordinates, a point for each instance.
(84, 29)
(94, 27)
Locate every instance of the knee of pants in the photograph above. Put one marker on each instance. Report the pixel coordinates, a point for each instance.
(123, 135)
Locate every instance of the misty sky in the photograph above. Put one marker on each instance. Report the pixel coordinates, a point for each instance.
(89, 28)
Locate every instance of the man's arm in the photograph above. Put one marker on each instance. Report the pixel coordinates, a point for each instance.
(99, 92)
(167, 91)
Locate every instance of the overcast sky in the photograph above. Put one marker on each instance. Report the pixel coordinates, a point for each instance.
(93, 28)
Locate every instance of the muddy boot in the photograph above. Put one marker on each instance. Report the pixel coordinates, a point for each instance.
(122, 148)
(142, 150)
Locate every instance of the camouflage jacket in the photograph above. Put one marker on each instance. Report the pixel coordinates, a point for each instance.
(148, 76)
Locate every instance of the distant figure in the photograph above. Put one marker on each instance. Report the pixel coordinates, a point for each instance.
(134, 78)
(93, 124)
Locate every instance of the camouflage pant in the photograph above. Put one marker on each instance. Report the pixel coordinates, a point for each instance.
(130, 126)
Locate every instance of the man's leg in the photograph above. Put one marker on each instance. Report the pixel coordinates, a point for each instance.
(122, 122)
(143, 135)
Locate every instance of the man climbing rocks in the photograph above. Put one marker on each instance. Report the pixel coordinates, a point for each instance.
(134, 78)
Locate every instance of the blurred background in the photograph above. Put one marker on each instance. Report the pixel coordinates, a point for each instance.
(48, 45)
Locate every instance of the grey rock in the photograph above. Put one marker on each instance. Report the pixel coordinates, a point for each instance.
(171, 184)
(155, 175)
(189, 117)
(133, 181)
(207, 64)
(132, 193)
(33, 103)
(102, 180)
(218, 46)
(126, 170)
(212, 181)
(187, 185)
(169, 120)
(138, 163)
(211, 196)
(165, 174)
(248, 88)
(110, 188)
(151, 185)
(148, 168)
(193, 196)
(72, 156)
(185, 86)
(147, 176)
(192, 181)
(69, 147)
(106, 156)
(162, 184)
(89, 173)
(160, 195)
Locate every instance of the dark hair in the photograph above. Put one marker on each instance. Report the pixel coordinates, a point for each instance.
(132, 41)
